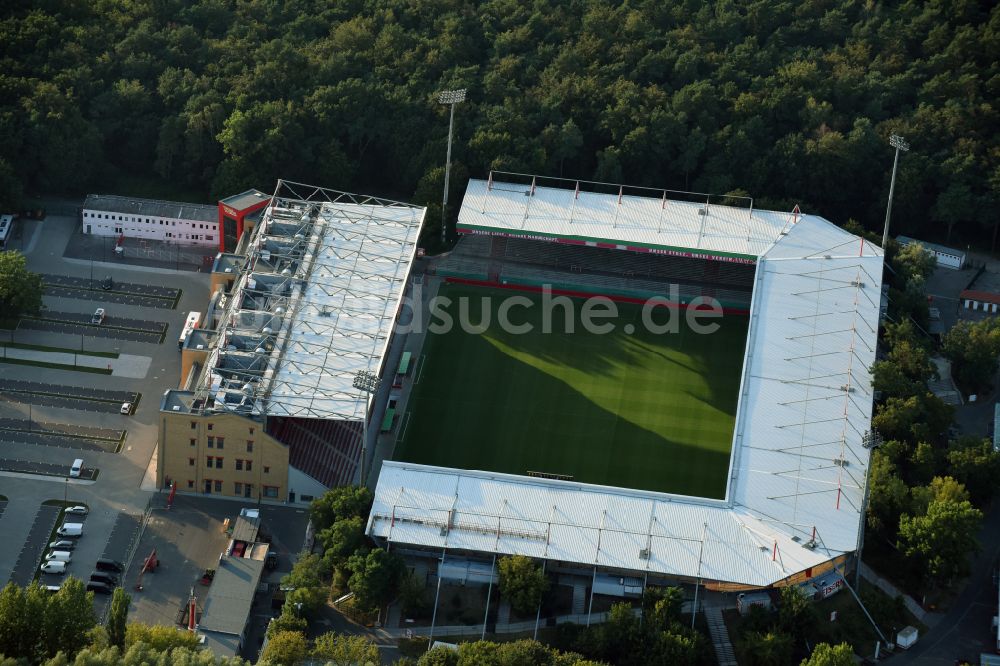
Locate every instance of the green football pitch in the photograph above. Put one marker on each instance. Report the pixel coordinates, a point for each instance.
(652, 411)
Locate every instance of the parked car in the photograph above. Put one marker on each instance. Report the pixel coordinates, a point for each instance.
(99, 588)
(62, 544)
(53, 567)
(72, 530)
(76, 468)
(98, 317)
(108, 284)
(63, 555)
(126, 408)
(104, 577)
(78, 510)
(104, 564)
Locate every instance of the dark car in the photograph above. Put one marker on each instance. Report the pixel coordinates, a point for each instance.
(99, 588)
(104, 564)
(104, 577)
(108, 284)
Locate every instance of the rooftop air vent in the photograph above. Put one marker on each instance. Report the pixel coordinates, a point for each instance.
(644, 554)
(840, 462)
(703, 211)
(267, 330)
(858, 283)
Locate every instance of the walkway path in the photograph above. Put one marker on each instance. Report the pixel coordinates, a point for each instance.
(720, 636)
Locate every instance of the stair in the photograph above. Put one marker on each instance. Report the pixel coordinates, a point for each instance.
(579, 597)
(720, 637)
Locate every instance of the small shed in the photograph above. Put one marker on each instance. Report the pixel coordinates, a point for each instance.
(945, 256)
(906, 637)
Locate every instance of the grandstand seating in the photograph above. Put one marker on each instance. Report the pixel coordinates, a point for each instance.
(326, 450)
(623, 262)
(605, 270)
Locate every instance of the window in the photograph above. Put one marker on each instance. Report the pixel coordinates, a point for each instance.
(208, 238)
(194, 424)
(270, 491)
(218, 463)
(208, 461)
(191, 462)
(239, 465)
(194, 441)
(251, 430)
(209, 426)
(238, 488)
(306, 498)
(267, 470)
(211, 442)
(249, 465)
(221, 441)
(249, 446)
(218, 486)
(190, 483)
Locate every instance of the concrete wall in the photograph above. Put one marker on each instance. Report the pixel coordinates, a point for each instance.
(175, 230)
(184, 452)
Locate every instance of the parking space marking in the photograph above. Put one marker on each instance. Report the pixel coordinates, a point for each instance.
(109, 297)
(125, 287)
(34, 546)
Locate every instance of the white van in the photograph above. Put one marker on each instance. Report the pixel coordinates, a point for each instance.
(76, 468)
(59, 555)
(70, 530)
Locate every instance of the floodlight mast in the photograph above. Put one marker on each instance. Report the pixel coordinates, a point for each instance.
(899, 144)
(451, 98)
(366, 382)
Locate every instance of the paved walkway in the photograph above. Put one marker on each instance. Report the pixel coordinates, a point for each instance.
(720, 637)
(927, 617)
(126, 365)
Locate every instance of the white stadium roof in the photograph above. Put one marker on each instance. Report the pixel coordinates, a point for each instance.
(798, 464)
(632, 218)
(314, 303)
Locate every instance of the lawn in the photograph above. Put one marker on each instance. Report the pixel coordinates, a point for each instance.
(645, 410)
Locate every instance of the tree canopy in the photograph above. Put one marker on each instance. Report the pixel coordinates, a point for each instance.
(20, 289)
(788, 101)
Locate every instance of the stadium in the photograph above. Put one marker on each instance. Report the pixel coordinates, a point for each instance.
(736, 458)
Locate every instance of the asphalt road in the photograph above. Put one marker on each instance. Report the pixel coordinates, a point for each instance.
(34, 546)
(46, 469)
(134, 288)
(110, 297)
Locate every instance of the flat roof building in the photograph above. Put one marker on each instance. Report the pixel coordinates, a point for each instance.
(311, 302)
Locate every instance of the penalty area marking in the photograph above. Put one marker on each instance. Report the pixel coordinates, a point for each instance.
(420, 368)
(403, 427)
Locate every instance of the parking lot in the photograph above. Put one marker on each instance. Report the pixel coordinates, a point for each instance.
(50, 415)
(129, 288)
(119, 328)
(44, 469)
(33, 548)
(81, 398)
(121, 547)
(110, 297)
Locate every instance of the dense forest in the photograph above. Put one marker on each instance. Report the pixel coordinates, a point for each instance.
(789, 101)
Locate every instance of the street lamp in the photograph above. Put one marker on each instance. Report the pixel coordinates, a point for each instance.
(366, 382)
(899, 144)
(871, 440)
(451, 98)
